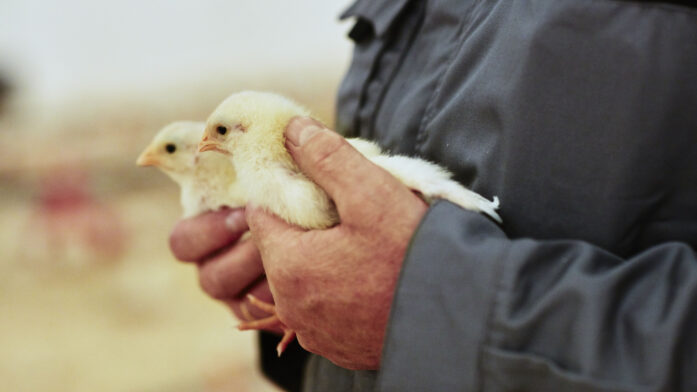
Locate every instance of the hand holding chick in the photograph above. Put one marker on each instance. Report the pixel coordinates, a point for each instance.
(228, 269)
(248, 127)
(334, 287)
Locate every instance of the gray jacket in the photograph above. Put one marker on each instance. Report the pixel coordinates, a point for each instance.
(581, 116)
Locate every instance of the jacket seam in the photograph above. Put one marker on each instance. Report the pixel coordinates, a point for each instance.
(430, 107)
(664, 6)
(490, 322)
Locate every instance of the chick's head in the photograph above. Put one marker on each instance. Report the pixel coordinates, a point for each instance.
(249, 122)
(174, 148)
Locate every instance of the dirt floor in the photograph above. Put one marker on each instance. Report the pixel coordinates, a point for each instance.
(72, 321)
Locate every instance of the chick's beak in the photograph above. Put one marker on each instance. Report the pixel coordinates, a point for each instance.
(147, 159)
(211, 145)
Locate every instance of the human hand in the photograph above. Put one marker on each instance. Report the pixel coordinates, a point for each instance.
(228, 268)
(334, 287)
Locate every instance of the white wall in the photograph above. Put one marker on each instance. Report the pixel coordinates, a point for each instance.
(60, 48)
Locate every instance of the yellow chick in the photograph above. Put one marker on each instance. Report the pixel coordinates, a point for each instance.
(207, 181)
(249, 126)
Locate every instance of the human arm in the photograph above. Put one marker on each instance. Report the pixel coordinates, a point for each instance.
(478, 309)
(537, 103)
(551, 315)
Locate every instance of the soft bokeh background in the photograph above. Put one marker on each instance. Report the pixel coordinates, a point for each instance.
(90, 297)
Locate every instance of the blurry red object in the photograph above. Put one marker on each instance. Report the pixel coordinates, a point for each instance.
(68, 215)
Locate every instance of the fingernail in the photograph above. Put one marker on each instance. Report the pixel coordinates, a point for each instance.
(293, 132)
(301, 129)
(236, 221)
(308, 132)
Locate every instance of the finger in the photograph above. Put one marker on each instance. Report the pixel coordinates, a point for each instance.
(231, 273)
(194, 239)
(350, 179)
(270, 233)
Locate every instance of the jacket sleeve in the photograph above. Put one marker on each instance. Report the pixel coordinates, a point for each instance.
(475, 310)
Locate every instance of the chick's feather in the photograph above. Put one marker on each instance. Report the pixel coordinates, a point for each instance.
(250, 127)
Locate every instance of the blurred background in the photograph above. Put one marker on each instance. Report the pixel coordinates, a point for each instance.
(90, 297)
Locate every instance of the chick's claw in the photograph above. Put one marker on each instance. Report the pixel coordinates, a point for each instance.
(246, 315)
(265, 306)
(268, 322)
(265, 323)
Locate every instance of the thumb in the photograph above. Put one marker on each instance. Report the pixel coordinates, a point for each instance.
(334, 164)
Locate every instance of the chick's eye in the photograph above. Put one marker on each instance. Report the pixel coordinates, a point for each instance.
(221, 130)
(171, 148)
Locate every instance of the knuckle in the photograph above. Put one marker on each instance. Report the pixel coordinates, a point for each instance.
(324, 147)
(210, 283)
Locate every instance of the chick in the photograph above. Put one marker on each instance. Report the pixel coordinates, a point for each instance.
(249, 128)
(207, 181)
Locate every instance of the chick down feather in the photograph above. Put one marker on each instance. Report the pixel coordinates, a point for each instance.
(207, 180)
(249, 126)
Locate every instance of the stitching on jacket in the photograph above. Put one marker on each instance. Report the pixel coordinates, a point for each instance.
(364, 86)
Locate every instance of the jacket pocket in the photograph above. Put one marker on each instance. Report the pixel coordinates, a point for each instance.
(508, 371)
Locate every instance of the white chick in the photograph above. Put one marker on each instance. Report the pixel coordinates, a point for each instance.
(250, 125)
(207, 181)
(249, 128)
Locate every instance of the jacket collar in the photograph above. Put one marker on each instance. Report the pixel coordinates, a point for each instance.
(381, 13)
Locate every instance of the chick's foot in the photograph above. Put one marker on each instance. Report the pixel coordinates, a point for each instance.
(268, 322)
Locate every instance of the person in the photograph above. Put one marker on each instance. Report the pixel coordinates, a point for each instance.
(579, 116)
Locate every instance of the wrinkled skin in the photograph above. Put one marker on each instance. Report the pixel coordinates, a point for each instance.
(334, 287)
